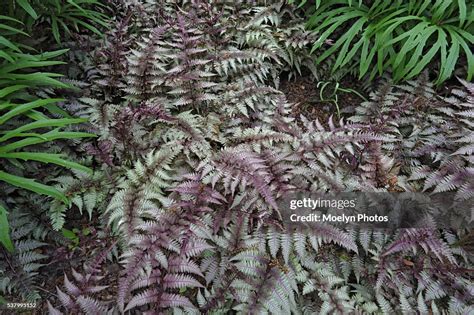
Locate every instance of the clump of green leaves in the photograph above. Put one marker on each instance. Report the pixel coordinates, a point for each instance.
(403, 35)
(74, 236)
(25, 118)
(63, 16)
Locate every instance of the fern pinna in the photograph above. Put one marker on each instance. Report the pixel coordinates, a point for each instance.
(198, 147)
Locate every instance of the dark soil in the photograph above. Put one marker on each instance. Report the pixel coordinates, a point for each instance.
(305, 95)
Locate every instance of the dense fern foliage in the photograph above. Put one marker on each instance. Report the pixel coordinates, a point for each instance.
(196, 149)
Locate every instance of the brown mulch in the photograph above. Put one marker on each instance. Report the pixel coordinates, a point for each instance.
(304, 94)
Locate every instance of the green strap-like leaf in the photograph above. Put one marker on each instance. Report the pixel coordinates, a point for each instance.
(30, 184)
(49, 136)
(428, 56)
(462, 12)
(37, 78)
(422, 31)
(51, 54)
(6, 56)
(43, 123)
(27, 7)
(366, 57)
(345, 57)
(46, 158)
(10, 89)
(35, 115)
(29, 64)
(14, 30)
(469, 56)
(448, 65)
(349, 36)
(416, 54)
(9, 44)
(23, 108)
(9, 18)
(87, 25)
(55, 29)
(5, 230)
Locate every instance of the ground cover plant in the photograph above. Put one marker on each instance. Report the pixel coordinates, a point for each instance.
(404, 36)
(147, 147)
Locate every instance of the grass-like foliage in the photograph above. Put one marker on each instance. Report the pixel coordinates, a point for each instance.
(404, 36)
(62, 17)
(25, 118)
